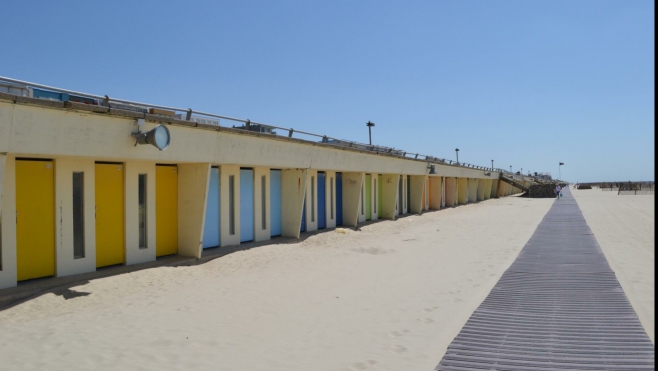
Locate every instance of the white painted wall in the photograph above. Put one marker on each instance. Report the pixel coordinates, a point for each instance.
(362, 200)
(260, 233)
(330, 179)
(134, 254)
(66, 264)
(293, 191)
(193, 182)
(373, 197)
(352, 183)
(226, 237)
(311, 200)
(390, 184)
(52, 132)
(8, 243)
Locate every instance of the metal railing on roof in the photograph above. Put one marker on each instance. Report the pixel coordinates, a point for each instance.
(107, 100)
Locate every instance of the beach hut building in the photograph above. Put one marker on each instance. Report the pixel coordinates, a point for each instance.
(92, 198)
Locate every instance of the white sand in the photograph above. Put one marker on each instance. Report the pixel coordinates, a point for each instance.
(624, 227)
(390, 297)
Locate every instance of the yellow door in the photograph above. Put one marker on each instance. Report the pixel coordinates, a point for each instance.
(35, 219)
(109, 215)
(166, 210)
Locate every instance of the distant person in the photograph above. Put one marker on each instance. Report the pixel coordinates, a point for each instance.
(558, 189)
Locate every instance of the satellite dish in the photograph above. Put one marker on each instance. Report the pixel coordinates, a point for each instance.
(159, 137)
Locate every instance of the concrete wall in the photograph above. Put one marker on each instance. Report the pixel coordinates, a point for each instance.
(352, 187)
(494, 188)
(443, 192)
(3, 165)
(405, 202)
(66, 264)
(417, 192)
(472, 190)
(389, 195)
(481, 187)
(311, 200)
(134, 254)
(373, 196)
(362, 201)
(427, 194)
(451, 191)
(225, 173)
(193, 180)
(76, 138)
(462, 191)
(293, 190)
(435, 191)
(37, 129)
(330, 180)
(260, 233)
(487, 189)
(8, 267)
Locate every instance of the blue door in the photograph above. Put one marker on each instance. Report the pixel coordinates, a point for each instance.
(246, 205)
(322, 201)
(302, 228)
(211, 225)
(275, 202)
(339, 198)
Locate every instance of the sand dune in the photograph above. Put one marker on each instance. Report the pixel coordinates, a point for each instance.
(389, 297)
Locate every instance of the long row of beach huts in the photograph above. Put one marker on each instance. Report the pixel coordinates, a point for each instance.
(78, 193)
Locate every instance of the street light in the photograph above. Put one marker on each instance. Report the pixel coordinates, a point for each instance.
(457, 152)
(369, 125)
(510, 168)
(492, 165)
(559, 170)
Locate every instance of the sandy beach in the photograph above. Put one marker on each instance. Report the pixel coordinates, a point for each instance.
(391, 296)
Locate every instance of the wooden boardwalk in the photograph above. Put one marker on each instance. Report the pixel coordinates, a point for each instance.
(558, 307)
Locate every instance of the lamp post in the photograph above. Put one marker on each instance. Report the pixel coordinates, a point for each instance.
(492, 165)
(559, 170)
(457, 152)
(510, 168)
(370, 125)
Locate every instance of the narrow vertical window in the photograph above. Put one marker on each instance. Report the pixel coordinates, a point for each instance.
(262, 202)
(312, 199)
(331, 191)
(142, 211)
(78, 216)
(231, 204)
(375, 185)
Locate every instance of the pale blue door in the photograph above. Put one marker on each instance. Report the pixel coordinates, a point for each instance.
(211, 225)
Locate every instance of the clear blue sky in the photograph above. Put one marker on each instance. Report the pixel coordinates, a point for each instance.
(525, 83)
